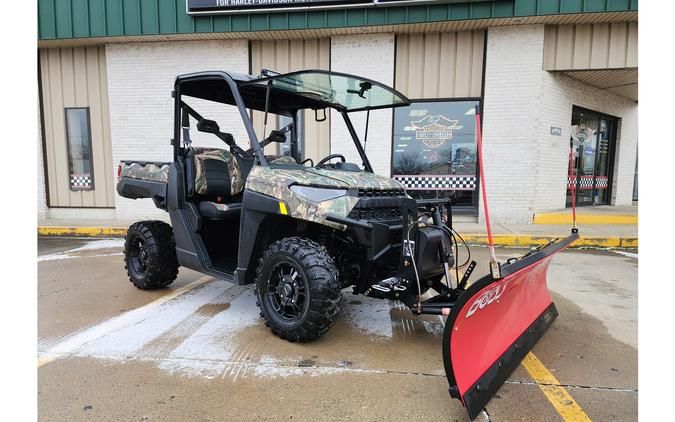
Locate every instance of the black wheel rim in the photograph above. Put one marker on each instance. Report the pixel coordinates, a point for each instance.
(138, 254)
(287, 292)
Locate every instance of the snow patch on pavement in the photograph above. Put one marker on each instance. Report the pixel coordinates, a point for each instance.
(206, 351)
(628, 254)
(434, 328)
(89, 246)
(198, 334)
(129, 339)
(56, 257)
(99, 244)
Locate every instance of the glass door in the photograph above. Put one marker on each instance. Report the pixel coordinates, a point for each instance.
(592, 140)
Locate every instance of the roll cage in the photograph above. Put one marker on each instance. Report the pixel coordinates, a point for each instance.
(282, 94)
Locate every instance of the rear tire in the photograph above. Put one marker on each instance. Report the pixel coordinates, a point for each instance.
(297, 289)
(150, 255)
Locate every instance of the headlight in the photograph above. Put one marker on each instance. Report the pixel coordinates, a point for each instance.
(318, 194)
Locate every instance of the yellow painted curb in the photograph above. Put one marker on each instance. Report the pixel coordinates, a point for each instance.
(529, 241)
(566, 219)
(471, 239)
(82, 231)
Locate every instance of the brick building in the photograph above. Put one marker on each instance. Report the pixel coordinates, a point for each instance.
(546, 74)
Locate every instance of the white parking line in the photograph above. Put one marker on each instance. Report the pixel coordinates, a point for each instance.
(196, 334)
(72, 343)
(59, 256)
(92, 245)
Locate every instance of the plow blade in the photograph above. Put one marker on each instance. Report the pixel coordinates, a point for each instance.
(495, 323)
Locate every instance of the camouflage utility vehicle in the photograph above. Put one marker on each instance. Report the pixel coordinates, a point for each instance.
(303, 231)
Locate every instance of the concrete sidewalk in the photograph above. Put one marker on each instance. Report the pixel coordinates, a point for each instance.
(526, 235)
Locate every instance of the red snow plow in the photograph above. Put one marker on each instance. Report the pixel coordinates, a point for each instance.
(497, 320)
(495, 323)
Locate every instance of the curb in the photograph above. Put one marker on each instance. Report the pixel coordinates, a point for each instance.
(82, 231)
(566, 219)
(521, 240)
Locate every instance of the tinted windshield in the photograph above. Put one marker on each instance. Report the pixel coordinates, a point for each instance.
(338, 90)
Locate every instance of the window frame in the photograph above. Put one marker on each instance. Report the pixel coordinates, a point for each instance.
(460, 209)
(91, 150)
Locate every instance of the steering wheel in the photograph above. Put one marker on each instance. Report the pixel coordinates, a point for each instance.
(330, 157)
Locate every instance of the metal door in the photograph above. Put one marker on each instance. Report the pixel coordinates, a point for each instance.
(593, 136)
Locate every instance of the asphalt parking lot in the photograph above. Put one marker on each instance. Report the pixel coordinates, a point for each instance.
(198, 351)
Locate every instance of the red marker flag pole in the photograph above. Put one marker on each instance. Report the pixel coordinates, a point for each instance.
(494, 265)
(573, 180)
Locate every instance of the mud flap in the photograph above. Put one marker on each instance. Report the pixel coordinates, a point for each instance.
(494, 324)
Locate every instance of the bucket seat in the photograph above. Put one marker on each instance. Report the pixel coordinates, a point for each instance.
(218, 181)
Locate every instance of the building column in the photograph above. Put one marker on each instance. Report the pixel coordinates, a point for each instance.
(526, 165)
(513, 91)
(371, 56)
(42, 209)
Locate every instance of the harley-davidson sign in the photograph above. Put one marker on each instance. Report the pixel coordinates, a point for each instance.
(434, 131)
(249, 6)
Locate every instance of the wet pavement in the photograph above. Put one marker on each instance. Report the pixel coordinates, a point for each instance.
(203, 353)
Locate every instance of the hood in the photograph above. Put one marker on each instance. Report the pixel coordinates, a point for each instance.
(275, 182)
(352, 179)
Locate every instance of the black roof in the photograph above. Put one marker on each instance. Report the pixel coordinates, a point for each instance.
(285, 97)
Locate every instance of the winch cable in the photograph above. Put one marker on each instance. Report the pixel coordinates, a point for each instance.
(468, 250)
(494, 265)
(412, 258)
(451, 236)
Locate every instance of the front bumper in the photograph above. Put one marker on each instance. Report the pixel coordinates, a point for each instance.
(383, 229)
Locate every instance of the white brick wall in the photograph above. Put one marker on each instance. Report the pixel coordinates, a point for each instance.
(561, 93)
(140, 81)
(371, 56)
(42, 210)
(525, 165)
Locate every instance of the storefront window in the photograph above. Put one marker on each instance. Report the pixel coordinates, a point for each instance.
(434, 150)
(78, 134)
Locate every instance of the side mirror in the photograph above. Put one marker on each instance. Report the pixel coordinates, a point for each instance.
(277, 136)
(316, 115)
(208, 126)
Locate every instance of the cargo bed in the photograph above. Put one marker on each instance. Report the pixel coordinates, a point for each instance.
(144, 179)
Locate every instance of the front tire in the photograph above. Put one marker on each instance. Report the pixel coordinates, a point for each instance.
(297, 289)
(150, 255)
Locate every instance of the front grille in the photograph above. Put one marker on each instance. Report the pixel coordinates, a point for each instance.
(376, 214)
(372, 193)
(379, 209)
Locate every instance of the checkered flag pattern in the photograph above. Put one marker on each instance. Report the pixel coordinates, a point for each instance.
(586, 182)
(80, 181)
(601, 182)
(450, 182)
